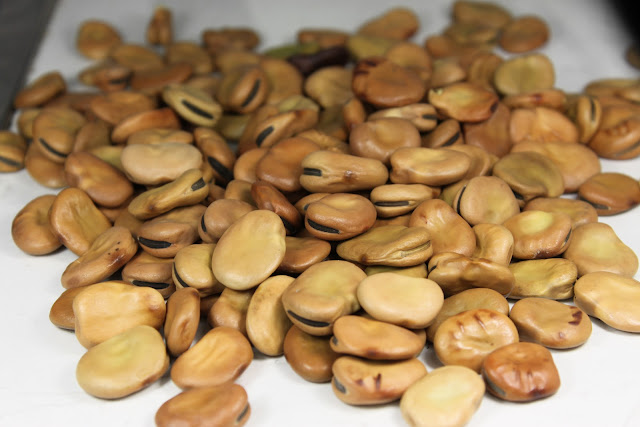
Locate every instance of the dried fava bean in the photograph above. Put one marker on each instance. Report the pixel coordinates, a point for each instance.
(362, 46)
(217, 154)
(25, 121)
(92, 135)
(610, 193)
(229, 38)
(164, 235)
(192, 54)
(159, 136)
(446, 71)
(329, 86)
(284, 79)
(95, 39)
(123, 364)
(31, 230)
(384, 84)
(186, 190)
(159, 163)
(181, 322)
(493, 242)
(75, 220)
(309, 356)
(398, 23)
(40, 91)
(160, 28)
(378, 139)
(77, 101)
(467, 338)
(12, 151)
(339, 216)
(481, 160)
(428, 166)
(250, 250)
(331, 172)
(486, 199)
(106, 76)
(530, 175)
(103, 183)
(368, 382)
(373, 339)
(243, 89)
(482, 67)
(281, 165)
(524, 34)
(392, 245)
(422, 116)
(456, 273)
(397, 199)
(413, 57)
(539, 234)
(114, 107)
(239, 190)
(220, 214)
(268, 197)
(576, 162)
(550, 323)
(419, 271)
(160, 118)
(597, 247)
(302, 253)
(586, 112)
(220, 356)
(446, 134)
(617, 135)
(109, 252)
(555, 99)
(136, 57)
(522, 74)
(465, 102)
(245, 166)
(485, 13)
(192, 104)
(231, 310)
(221, 405)
(267, 323)
(521, 372)
(541, 124)
(468, 300)
(147, 270)
(449, 232)
(579, 211)
(54, 131)
(447, 396)
(43, 170)
(192, 269)
(321, 294)
(61, 313)
(610, 297)
(323, 37)
(493, 133)
(107, 309)
(551, 278)
(151, 81)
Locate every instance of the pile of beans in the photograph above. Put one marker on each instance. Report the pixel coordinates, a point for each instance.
(339, 201)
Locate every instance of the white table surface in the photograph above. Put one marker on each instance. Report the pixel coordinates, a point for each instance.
(600, 380)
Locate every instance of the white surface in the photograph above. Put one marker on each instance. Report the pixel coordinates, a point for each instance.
(600, 380)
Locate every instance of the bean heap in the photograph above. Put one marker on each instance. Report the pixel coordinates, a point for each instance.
(342, 201)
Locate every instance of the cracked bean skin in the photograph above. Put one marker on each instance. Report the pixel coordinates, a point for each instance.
(123, 364)
(550, 323)
(368, 382)
(447, 396)
(610, 297)
(467, 338)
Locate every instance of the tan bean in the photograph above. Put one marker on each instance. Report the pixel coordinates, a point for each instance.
(465, 102)
(109, 252)
(521, 372)
(123, 364)
(13, 148)
(339, 216)
(541, 124)
(181, 322)
(494, 243)
(192, 104)
(597, 247)
(368, 382)
(221, 405)
(610, 297)
(302, 253)
(191, 53)
(107, 309)
(160, 118)
(54, 131)
(151, 81)
(446, 134)
(530, 175)
(447, 396)
(322, 294)
(468, 300)
(31, 230)
(61, 312)
(524, 73)
(397, 199)
(486, 199)
(610, 193)
(392, 245)
(467, 338)
(379, 138)
(551, 278)
(159, 163)
(220, 356)
(40, 91)
(524, 34)
(539, 234)
(550, 323)
(267, 323)
(419, 270)
(493, 133)
(309, 356)
(136, 57)
(106, 76)
(268, 197)
(400, 300)
(147, 270)
(428, 166)
(114, 107)
(95, 39)
(281, 165)
(579, 211)
(164, 235)
(230, 310)
(192, 269)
